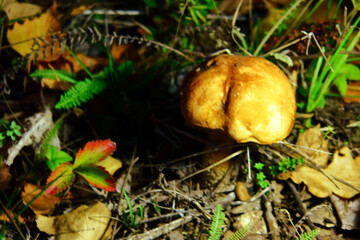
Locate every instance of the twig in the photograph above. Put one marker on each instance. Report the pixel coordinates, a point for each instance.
(157, 232)
(213, 165)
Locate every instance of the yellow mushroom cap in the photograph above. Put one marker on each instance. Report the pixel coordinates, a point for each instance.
(250, 98)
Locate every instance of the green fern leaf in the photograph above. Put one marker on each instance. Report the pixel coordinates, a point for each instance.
(217, 223)
(55, 74)
(309, 235)
(80, 93)
(50, 135)
(241, 233)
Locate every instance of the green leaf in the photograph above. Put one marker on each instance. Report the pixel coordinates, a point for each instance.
(98, 177)
(94, 151)
(56, 157)
(217, 223)
(352, 71)
(282, 57)
(61, 178)
(258, 166)
(80, 93)
(55, 74)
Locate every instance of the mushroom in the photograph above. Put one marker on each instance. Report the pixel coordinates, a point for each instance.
(247, 99)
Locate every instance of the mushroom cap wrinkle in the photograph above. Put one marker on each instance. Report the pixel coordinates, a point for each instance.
(249, 98)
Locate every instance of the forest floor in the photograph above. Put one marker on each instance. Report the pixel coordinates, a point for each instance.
(94, 144)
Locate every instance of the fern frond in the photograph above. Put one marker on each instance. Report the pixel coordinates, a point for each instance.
(55, 74)
(309, 235)
(217, 223)
(50, 135)
(80, 93)
(241, 233)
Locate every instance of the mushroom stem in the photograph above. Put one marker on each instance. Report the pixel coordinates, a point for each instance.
(217, 173)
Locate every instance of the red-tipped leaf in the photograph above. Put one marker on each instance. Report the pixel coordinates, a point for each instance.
(94, 151)
(60, 179)
(98, 177)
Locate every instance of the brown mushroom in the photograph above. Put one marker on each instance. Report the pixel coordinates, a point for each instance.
(248, 98)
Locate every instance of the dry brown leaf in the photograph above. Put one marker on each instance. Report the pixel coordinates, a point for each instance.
(353, 89)
(41, 205)
(343, 167)
(21, 35)
(5, 217)
(90, 62)
(312, 140)
(67, 62)
(14, 9)
(82, 223)
(5, 176)
(80, 9)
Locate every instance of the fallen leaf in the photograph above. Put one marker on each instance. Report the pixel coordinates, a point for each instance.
(21, 36)
(343, 167)
(347, 211)
(85, 222)
(312, 143)
(67, 62)
(5, 216)
(110, 164)
(14, 9)
(353, 89)
(40, 123)
(43, 204)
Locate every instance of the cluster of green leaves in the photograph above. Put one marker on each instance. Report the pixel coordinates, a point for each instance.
(286, 164)
(130, 220)
(8, 129)
(198, 10)
(84, 165)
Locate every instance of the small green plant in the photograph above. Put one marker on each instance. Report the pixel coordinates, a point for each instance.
(310, 235)
(8, 129)
(286, 164)
(260, 176)
(321, 76)
(217, 222)
(84, 165)
(132, 222)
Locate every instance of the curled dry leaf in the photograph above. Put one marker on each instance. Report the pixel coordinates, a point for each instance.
(43, 204)
(82, 223)
(342, 166)
(21, 36)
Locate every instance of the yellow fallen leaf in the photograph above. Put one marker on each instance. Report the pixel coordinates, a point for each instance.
(110, 164)
(312, 143)
(85, 222)
(21, 36)
(343, 167)
(14, 9)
